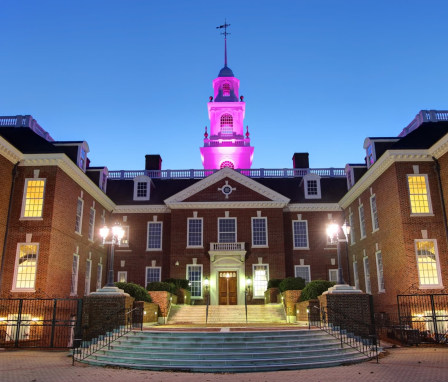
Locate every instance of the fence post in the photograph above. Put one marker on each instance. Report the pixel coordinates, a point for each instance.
(19, 322)
(434, 318)
(53, 323)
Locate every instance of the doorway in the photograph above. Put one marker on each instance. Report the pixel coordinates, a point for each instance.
(227, 288)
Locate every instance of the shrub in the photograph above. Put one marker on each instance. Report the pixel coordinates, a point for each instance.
(179, 283)
(292, 283)
(314, 289)
(274, 283)
(161, 286)
(134, 290)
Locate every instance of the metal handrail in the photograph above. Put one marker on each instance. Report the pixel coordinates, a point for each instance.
(245, 302)
(206, 309)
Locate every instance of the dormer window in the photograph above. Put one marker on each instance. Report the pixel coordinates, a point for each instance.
(103, 179)
(312, 186)
(226, 124)
(370, 156)
(226, 90)
(142, 187)
(83, 149)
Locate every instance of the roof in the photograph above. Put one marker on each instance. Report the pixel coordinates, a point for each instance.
(225, 72)
(27, 141)
(424, 137)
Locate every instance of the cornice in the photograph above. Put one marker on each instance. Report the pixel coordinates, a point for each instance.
(313, 207)
(440, 148)
(141, 209)
(215, 205)
(379, 167)
(73, 171)
(8, 151)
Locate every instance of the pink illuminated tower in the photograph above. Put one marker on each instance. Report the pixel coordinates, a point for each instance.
(227, 145)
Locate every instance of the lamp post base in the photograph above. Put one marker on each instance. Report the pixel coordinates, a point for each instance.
(342, 288)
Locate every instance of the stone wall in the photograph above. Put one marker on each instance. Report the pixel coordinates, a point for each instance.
(290, 298)
(149, 311)
(303, 307)
(162, 299)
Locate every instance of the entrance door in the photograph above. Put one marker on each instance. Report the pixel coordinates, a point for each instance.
(227, 288)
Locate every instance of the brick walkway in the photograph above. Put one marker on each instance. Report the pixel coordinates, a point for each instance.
(423, 364)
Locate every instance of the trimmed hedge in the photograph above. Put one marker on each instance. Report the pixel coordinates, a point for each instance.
(314, 289)
(161, 286)
(274, 283)
(292, 283)
(134, 290)
(179, 283)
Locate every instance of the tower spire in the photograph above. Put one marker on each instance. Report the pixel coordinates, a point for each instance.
(225, 33)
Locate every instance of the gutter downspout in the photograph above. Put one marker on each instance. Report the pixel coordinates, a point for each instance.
(442, 199)
(8, 218)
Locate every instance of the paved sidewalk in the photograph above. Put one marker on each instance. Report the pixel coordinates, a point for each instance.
(423, 364)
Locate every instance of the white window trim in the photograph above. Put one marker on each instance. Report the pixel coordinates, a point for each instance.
(81, 217)
(307, 236)
(252, 226)
(439, 272)
(142, 179)
(333, 270)
(353, 230)
(161, 237)
(16, 268)
(125, 273)
(253, 280)
(25, 188)
(88, 281)
(75, 285)
(92, 226)
(302, 266)
(146, 274)
(202, 280)
(368, 284)
(236, 228)
(372, 214)
(361, 233)
(315, 177)
(428, 193)
(202, 233)
(380, 290)
(99, 279)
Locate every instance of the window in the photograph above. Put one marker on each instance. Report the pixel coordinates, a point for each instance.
(21, 332)
(88, 277)
(153, 274)
(227, 230)
(261, 276)
(375, 225)
(99, 276)
(367, 274)
(122, 277)
(259, 232)
(227, 163)
(33, 198)
(103, 180)
(303, 271)
(226, 124)
(25, 268)
(312, 186)
(362, 222)
(370, 156)
(75, 272)
(333, 275)
(142, 189)
(194, 234)
(419, 194)
(92, 224)
(142, 185)
(154, 236)
(226, 90)
(356, 274)
(379, 272)
(352, 226)
(194, 276)
(82, 158)
(125, 239)
(428, 265)
(300, 234)
(79, 208)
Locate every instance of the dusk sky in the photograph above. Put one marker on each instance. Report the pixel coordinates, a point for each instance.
(133, 77)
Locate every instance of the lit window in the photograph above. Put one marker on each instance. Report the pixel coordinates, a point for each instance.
(226, 124)
(142, 187)
(26, 266)
(228, 164)
(75, 272)
(125, 239)
(227, 230)
(333, 275)
(226, 90)
(362, 222)
(303, 271)
(374, 211)
(154, 236)
(88, 277)
(194, 233)
(153, 274)
(122, 277)
(194, 276)
(428, 263)
(91, 224)
(300, 234)
(352, 228)
(419, 194)
(367, 274)
(356, 274)
(259, 232)
(79, 208)
(33, 198)
(99, 276)
(379, 271)
(261, 276)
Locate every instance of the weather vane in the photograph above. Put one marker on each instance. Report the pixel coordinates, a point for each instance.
(225, 33)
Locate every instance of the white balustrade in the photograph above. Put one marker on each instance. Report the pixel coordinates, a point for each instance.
(227, 246)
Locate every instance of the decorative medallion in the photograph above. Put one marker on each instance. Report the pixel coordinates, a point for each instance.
(227, 189)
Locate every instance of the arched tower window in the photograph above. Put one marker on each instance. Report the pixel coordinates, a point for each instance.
(227, 163)
(226, 124)
(226, 90)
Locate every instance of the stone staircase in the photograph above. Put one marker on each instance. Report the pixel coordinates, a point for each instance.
(226, 351)
(226, 314)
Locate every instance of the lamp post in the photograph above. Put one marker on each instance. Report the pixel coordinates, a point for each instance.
(333, 230)
(115, 234)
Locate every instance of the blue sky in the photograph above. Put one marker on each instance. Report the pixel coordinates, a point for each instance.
(133, 77)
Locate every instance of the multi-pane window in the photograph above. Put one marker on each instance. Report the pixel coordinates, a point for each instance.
(91, 224)
(374, 211)
(194, 232)
(261, 276)
(33, 198)
(88, 277)
(367, 274)
(153, 274)
(226, 124)
(352, 228)
(311, 186)
(370, 156)
(125, 238)
(227, 230)
(259, 232)
(362, 222)
(333, 275)
(75, 272)
(428, 263)
(379, 271)
(356, 274)
(154, 236)
(79, 208)
(300, 234)
(419, 194)
(82, 158)
(303, 271)
(122, 277)
(142, 189)
(99, 276)
(194, 276)
(226, 90)
(26, 266)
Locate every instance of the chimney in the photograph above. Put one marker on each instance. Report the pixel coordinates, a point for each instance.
(300, 160)
(153, 162)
